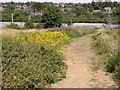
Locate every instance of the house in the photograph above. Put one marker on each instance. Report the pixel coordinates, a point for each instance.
(62, 6)
(4, 6)
(95, 11)
(108, 9)
(18, 7)
(1, 8)
(55, 4)
(25, 7)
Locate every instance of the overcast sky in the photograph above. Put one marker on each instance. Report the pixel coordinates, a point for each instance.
(55, 1)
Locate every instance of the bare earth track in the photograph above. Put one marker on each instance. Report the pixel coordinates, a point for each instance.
(80, 74)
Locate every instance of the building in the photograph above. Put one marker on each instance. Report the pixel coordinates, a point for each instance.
(97, 0)
(18, 7)
(95, 11)
(62, 5)
(108, 1)
(4, 6)
(56, 4)
(108, 9)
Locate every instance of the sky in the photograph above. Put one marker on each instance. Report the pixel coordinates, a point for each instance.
(55, 1)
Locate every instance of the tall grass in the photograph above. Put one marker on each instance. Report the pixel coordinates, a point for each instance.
(105, 42)
(76, 32)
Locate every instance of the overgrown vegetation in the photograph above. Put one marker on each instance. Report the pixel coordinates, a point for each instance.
(13, 26)
(39, 26)
(106, 44)
(29, 24)
(28, 63)
(76, 32)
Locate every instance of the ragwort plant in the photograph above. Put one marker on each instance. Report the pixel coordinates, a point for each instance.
(29, 64)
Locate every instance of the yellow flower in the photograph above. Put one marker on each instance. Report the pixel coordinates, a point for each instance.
(99, 31)
(50, 38)
(14, 77)
(23, 38)
(60, 51)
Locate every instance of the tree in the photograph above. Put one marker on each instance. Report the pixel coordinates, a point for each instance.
(117, 14)
(35, 19)
(52, 17)
(80, 11)
(20, 16)
(11, 7)
(37, 6)
(100, 15)
(6, 16)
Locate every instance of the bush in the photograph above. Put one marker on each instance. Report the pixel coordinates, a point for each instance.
(117, 73)
(52, 17)
(39, 26)
(69, 22)
(13, 26)
(29, 24)
(112, 62)
(26, 65)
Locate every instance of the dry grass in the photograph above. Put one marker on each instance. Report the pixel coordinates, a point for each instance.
(8, 31)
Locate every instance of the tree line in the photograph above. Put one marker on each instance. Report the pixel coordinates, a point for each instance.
(69, 13)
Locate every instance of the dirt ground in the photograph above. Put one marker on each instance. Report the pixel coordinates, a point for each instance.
(82, 72)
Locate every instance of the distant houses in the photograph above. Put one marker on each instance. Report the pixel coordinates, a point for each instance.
(28, 9)
(3, 7)
(63, 6)
(71, 10)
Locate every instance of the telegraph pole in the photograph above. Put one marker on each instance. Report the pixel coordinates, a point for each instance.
(12, 17)
(109, 15)
(109, 12)
(11, 14)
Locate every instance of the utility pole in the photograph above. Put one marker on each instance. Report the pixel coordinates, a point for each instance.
(12, 17)
(109, 15)
(109, 12)
(11, 14)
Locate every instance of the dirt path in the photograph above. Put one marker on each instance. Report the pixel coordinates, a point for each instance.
(81, 60)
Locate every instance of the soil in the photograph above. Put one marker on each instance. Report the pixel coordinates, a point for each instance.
(83, 69)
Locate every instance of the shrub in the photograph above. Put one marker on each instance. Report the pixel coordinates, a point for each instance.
(13, 26)
(39, 26)
(29, 65)
(69, 22)
(52, 17)
(29, 24)
(112, 62)
(117, 72)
